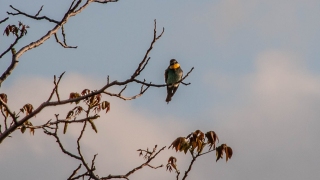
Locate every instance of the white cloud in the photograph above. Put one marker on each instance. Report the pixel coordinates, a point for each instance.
(273, 124)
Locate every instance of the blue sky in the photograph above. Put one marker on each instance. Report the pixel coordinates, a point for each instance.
(256, 83)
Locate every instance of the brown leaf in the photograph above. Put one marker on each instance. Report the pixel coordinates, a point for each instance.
(32, 131)
(223, 148)
(212, 137)
(85, 92)
(65, 128)
(93, 126)
(28, 108)
(29, 125)
(196, 139)
(179, 144)
(78, 109)
(105, 105)
(23, 30)
(7, 113)
(11, 27)
(229, 152)
(94, 100)
(74, 95)
(219, 153)
(23, 129)
(7, 31)
(69, 115)
(15, 31)
(4, 97)
(172, 163)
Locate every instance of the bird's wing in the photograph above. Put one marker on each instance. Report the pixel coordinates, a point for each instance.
(166, 75)
(181, 74)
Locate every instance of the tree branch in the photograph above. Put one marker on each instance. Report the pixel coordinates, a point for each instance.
(55, 135)
(39, 11)
(137, 168)
(145, 59)
(75, 171)
(90, 170)
(5, 19)
(31, 16)
(10, 47)
(64, 44)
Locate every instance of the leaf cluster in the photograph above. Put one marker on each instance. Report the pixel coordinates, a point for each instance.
(13, 29)
(93, 103)
(196, 140)
(194, 143)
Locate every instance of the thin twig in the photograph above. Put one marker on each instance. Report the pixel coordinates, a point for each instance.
(39, 11)
(32, 17)
(135, 169)
(75, 171)
(105, 1)
(63, 44)
(11, 46)
(5, 19)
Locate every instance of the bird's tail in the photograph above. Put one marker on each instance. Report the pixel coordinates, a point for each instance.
(169, 95)
(168, 99)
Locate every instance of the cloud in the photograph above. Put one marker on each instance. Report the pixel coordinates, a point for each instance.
(272, 121)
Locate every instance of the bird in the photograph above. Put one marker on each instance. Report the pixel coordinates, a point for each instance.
(172, 75)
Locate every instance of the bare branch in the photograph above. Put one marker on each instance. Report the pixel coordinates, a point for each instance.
(31, 16)
(155, 167)
(194, 158)
(5, 19)
(122, 90)
(142, 91)
(39, 11)
(5, 120)
(90, 171)
(55, 135)
(105, 1)
(189, 168)
(64, 44)
(6, 107)
(145, 58)
(137, 168)
(74, 12)
(71, 5)
(11, 46)
(49, 123)
(55, 89)
(75, 171)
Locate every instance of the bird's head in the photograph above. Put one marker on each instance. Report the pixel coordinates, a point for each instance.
(174, 64)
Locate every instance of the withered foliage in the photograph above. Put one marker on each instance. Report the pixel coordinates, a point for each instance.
(180, 144)
(223, 148)
(4, 99)
(27, 108)
(172, 164)
(195, 143)
(13, 29)
(92, 102)
(212, 138)
(195, 140)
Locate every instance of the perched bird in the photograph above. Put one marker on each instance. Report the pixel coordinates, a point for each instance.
(172, 75)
